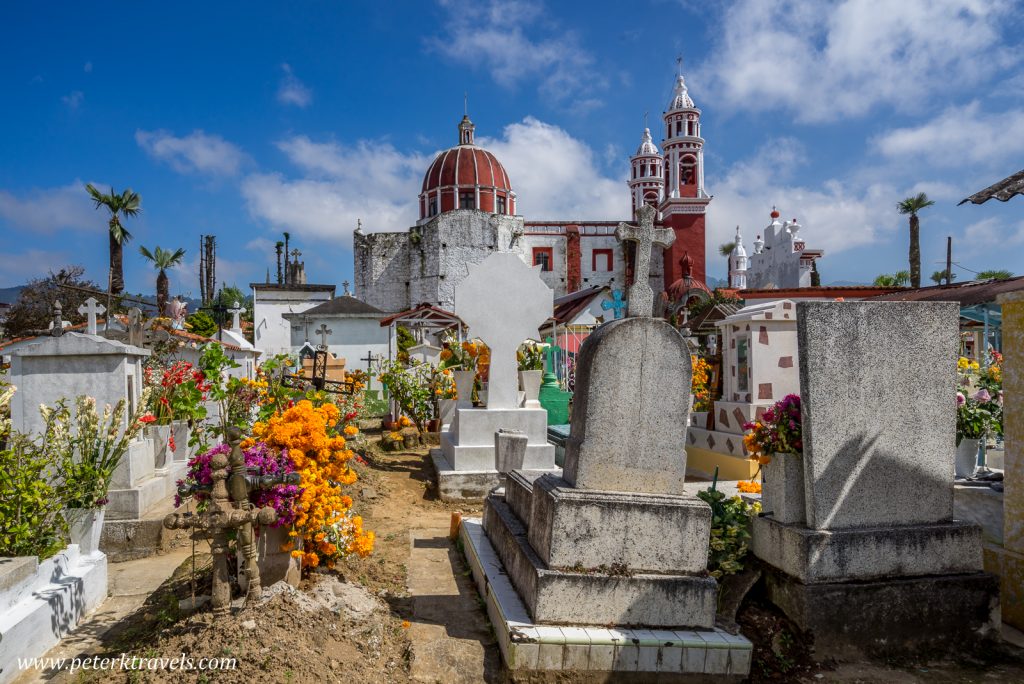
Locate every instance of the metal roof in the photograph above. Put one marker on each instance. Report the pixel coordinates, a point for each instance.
(1002, 191)
(969, 293)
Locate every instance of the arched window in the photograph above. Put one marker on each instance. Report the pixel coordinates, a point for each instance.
(687, 170)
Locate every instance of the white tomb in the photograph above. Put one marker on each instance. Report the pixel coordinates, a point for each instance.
(503, 302)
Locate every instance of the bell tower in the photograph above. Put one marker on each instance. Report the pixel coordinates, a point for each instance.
(645, 180)
(685, 201)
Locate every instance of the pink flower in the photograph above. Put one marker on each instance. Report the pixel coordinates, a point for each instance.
(983, 396)
(960, 399)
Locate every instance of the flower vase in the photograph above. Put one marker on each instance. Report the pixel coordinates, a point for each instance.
(782, 488)
(446, 410)
(161, 437)
(181, 432)
(86, 526)
(529, 382)
(966, 457)
(464, 388)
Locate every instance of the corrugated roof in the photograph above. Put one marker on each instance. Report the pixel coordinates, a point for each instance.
(1002, 191)
(967, 294)
(345, 304)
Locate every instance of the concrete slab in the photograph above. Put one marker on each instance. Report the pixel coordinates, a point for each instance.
(467, 485)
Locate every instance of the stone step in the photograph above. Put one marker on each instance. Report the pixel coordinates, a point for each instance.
(527, 646)
(125, 540)
(565, 597)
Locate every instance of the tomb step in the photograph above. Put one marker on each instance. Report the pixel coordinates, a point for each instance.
(131, 539)
(594, 598)
(527, 646)
(469, 485)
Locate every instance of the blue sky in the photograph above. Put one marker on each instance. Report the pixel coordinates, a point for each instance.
(247, 120)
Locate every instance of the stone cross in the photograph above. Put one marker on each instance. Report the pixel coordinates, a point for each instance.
(236, 311)
(135, 328)
(90, 310)
(640, 294)
(503, 301)
(344, 284)
(323, 331)
(617, 304)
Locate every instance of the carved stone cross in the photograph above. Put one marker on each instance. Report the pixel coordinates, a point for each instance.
(323, 331)
(503, 301)
(616, 304)
(640, 295)
(90, 309)
(236, 311)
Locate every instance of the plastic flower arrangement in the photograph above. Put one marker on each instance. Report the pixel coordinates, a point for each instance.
(530, 355)
(751, 487)
(778, 431)
(321, 457)
(261, 460)
(981, 411)
(442, 384)
(699, 384)
(460, 355)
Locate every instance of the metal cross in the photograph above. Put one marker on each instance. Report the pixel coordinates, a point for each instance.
(323, 332)
(90, 309)
(369, 359)
(640, 294)
(617, 304)
(344, 284)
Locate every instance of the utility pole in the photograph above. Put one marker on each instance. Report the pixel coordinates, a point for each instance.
(949, 260)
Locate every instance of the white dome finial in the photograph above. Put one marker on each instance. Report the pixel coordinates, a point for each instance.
(647, 146)
(680, 97)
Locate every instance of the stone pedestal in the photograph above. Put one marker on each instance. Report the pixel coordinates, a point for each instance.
(880, 567)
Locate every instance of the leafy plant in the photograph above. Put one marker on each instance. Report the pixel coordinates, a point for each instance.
(88, 447)
(234, 408)
(178, 394)
(730, 531)
(201, 323)
(411, 389)
(531, 355)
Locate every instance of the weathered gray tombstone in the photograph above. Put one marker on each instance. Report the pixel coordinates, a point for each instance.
(880, 567)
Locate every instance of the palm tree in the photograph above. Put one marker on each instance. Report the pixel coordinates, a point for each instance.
(162, 259)
(127, 203)
(897, 279)
(912, 205)
(726, 249)
(941, 276)
(996, 274)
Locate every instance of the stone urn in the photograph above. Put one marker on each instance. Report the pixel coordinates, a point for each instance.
(966, 457)
(464, 388)
(275, 564)
(85, 526)
(161, 437)
(529, 383)
(782, 488)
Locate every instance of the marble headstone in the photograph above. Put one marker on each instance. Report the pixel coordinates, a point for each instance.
(877, 382)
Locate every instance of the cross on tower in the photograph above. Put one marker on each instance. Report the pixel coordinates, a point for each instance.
(344, 284)
(640, 295)
(618, 304)
(90, 309)
(323, 331)
(236, 311)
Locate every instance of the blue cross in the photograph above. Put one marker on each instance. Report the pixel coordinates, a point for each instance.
(618, 304)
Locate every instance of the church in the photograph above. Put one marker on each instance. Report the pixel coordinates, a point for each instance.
(467, 210)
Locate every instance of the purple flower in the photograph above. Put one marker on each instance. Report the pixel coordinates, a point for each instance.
(983, 396)
(960, 399)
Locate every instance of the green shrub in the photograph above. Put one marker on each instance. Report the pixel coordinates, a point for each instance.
(730, 531)
(31, 513)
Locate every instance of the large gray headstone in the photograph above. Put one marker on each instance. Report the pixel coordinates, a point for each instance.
(630, 409)
(877, 381)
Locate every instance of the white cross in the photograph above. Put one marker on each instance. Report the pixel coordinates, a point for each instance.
(503, 301)
(323, 332)
(90, 310)
(236, 312)
(640, 295)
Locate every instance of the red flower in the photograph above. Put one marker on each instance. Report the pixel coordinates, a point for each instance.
(148, 418)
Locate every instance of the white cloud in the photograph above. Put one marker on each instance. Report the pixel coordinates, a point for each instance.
(48, 210)
(73, 100)
(556, 176)
(15, 269)
(835, 215)
(196, 152)
(495, 35)
(292, 91)
(993, 232)
(957, 136)
(826, 61)
(87, 68)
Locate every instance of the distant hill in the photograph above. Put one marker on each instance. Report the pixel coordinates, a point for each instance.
(9, 295)
(846, 283)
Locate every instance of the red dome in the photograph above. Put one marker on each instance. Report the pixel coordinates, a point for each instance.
(466, 177)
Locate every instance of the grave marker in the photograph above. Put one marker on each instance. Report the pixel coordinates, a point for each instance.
(640, 295)
(91, 309)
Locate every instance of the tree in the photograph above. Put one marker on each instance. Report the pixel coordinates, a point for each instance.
(201, 323)
(129, 204)
(939, 277)
(162, 260)
(726, 249)
(897, 279)
(34, 309)
(911, 206)
(995, 274)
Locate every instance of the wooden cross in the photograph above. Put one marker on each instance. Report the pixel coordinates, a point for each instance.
(90, 309)
(640, 295)
(323, 332)
(617, 304)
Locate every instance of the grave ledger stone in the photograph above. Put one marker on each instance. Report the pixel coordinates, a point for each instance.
(880, 567)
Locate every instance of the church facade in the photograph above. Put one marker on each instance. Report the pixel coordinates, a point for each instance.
(467, 210)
